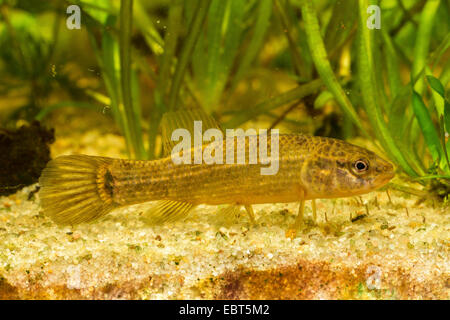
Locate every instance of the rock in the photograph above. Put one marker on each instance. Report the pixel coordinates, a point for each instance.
(23, 155)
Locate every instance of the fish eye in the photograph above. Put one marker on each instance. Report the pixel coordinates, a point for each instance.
(360, 165)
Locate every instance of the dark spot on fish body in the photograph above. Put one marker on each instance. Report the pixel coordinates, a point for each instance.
(301, 141)
(160, 188)
(341, 164)
(328, 181)
(109, 183)
(379, 169)
(321, 163)
(127, 165)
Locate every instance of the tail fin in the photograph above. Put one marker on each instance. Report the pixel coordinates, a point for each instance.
(76, 189)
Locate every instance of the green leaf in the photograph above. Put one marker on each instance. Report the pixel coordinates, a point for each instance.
(423, 39)
(392, 64)
(272, 103)
(186, 52)
(436, 85)
(447, 116)
(128, 85)
(322, 99)
(215, 52)
(323, 65)
(145, 24)
(259, 31)
(342, 20)
(297, 60)
(368, 85)
(427, 126)
(100, 13)
(435, 176)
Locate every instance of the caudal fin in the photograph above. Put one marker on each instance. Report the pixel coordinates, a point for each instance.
(76, 189)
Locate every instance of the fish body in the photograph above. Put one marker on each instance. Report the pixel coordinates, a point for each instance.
(82, 188)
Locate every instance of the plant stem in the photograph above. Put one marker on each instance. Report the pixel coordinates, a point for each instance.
(193, 34)
(288, 27)
(132, 114)
(170, 43)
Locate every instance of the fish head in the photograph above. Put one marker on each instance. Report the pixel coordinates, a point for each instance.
(346, 170)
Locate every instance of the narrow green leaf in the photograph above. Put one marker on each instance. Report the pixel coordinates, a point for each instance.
(427, 126)
(423, 38)
(367, 83)
(132, 115)
(108, 59)
(341, 22)
(436, 85)
(214, 50)
(322, 63)
(160, 96)
(297, 60)
(392, 64)
(436, 56)
(148, 29)
(438, 94)
(259, 30)
(265, 106)
(436, 176)
(193, 34)
(444, 148)
(99, 12)
(447, 116)
(232, 30)
(322, 99)
(398, 111)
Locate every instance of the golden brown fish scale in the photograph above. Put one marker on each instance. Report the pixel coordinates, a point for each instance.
(302, 162)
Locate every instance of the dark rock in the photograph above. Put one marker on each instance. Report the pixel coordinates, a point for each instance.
(23, 155)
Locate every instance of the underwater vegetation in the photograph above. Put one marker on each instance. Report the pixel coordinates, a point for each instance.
(102, 78)
(358, 72)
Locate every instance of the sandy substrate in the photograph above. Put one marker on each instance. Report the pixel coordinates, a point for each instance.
(385, 254)
(397, 249)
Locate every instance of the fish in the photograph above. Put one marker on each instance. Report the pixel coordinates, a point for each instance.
(81, 188)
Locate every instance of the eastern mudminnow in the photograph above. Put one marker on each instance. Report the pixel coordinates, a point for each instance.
(80, 188)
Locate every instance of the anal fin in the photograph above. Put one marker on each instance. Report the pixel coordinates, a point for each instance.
(167, 211)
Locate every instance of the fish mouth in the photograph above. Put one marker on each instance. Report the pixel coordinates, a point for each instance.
(389, 172)
(386, 178)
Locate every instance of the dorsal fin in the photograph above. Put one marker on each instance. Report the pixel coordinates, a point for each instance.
(184, 119)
